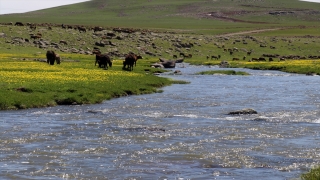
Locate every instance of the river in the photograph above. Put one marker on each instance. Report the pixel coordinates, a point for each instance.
(183, 133)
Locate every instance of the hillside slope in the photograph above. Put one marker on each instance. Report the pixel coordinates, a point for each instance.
(182, 14)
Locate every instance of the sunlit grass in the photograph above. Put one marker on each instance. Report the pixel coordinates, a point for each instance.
(29, 83)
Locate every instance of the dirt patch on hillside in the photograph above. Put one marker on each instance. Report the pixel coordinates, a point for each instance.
(250, 32)
(225, 16)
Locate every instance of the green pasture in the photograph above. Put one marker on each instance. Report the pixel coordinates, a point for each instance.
(186, 15)
(27, 82)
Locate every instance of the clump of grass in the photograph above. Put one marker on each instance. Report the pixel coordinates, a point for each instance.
(180, 82)
(226, 72)
(313, 174)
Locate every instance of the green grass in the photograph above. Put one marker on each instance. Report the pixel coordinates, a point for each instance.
(313, 174)
(186, 15)
(38, 84)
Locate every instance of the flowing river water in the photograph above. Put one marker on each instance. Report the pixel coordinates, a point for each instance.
(183, 133)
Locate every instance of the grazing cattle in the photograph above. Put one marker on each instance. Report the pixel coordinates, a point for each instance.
(244, 58)
(254, 59)
(19, 24)
(188, 56)
(249, 53)
(103, 60)
(262, 59)
(130, 60)
(51, 57)
(97, 29)
(182, 54)
(215, 57)
(270, 59)
(235, 59)
(58, 59)
(33, 27)
(175, 56)
(82, 29)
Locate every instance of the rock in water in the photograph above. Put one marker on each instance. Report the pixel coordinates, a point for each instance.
(243, 111)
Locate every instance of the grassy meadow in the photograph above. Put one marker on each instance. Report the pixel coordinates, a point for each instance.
(29, 83)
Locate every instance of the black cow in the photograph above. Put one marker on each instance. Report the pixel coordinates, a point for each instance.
(82, 29)
(215, 57)
(51, 57)
(19, 24)
(103, 60)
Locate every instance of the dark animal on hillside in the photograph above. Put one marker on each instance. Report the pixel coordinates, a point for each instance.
(189, 56)
(182, 54)
(215, 57)
(103, 61)
(33, 27)
(19, 24)
(254, 59)
(249, 53)
(130, 60)
(235, 59)
(51, 57)
(97, 29)
(262, 59)
(58, 59)
(175, 56)
(82, 29)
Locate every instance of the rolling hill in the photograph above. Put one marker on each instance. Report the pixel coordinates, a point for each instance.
(212, 16)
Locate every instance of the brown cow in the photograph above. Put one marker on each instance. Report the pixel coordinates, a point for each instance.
(58, 59)
(103, 60)
(130, 60)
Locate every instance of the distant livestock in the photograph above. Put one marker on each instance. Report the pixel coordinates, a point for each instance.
(103, 61)
(51, 57)
(95, 29)
(82, 29)
(215, 57)
(19, 24)
(130, 60)
(58, 59)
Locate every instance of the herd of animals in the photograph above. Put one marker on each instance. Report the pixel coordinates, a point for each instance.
(104, 61)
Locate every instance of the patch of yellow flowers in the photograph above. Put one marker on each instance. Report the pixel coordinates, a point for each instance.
(17, 71)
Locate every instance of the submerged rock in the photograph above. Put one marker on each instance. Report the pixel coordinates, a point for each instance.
(243, 111)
